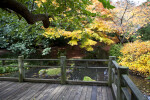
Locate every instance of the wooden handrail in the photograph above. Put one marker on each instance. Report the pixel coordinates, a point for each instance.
(136, 92)
(123, 84)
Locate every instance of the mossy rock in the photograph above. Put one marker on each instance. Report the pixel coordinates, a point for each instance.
(53, 71)
(50, 72)
(87, 78)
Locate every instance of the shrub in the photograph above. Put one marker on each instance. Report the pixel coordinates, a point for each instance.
(136, 56)
(115, 50)
(144, 33)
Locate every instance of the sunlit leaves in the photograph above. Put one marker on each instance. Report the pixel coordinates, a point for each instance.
(136, 56)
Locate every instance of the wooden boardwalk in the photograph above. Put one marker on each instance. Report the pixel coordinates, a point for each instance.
(45, 91)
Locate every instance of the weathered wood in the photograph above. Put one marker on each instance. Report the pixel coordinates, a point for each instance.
(62, 95)
(52, 93)
(83, 93)
(21, 69)
(69, 93)
(104, 93)
(33, 92)
(114, 89)
(87, 60)
(78, 94)
(37, 66)
(110, 69)
(99, 83)
(41, 59)
(56, 95)
(12, 91)
(99, 93)
(40, 91)
(9, 59)
(121, 70)
(136, 92)
(115, 64)
(73, 93)
(41, 80)
(126, 93)
(44, 94)
(10, 65)
(37, 93)
(94, 93)
(88, 67)
(63, 69)
(9, 79)
(17, 92)
(109, 94)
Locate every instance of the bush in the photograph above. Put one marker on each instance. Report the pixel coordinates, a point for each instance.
(8, 69)
(115, 50)
(136, 56)
(144, 33)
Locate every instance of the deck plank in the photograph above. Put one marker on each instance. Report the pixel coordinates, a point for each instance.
(89, 93)
(62, 95)
(71, 88)
(109, 93)
(94, 93)
(78, 93)
(73, 92)
(104, 93)
(45, 91)
(99, 93)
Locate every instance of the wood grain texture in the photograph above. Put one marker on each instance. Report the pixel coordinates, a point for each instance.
(46, 91)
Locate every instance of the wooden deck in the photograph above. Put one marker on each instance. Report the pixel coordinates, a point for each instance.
(45, 91)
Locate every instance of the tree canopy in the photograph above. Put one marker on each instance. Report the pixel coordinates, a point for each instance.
(64, 13)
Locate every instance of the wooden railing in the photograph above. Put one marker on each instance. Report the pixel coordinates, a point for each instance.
(62, 64)
(122, 86)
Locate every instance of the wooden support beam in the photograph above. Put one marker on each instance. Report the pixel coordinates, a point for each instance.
(21, 68)
(63, 69)
(110, 69)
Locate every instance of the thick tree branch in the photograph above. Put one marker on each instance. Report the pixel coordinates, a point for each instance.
(24, 12)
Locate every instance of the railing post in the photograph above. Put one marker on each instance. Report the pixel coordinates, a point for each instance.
(121, 70)
(63, 69)
(21, 69)
(110, 69)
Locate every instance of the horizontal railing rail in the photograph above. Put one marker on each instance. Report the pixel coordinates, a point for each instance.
(63, 63)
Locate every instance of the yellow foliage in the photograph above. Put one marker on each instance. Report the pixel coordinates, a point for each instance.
(136, 56)
(89, 36)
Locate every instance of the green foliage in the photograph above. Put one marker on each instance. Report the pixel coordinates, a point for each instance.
(144, 33)
(115, 50)
(8, 69)
(19, 37)
(87, 78)
(106, 4)
(46, 51)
